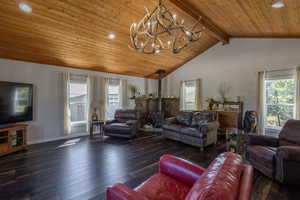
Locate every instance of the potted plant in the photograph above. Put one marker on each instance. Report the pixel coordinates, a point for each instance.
(223, 90)
(134, 91)
(209, 103)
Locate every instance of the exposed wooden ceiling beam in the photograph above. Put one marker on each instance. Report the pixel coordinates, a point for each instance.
(268, 36)
(211, 28)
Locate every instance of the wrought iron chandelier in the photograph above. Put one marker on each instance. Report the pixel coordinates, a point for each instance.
(162, 30)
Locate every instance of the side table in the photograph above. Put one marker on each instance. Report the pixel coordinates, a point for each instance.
(99, 125)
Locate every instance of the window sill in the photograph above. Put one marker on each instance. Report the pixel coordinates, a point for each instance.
(78, 124)
(273, 128)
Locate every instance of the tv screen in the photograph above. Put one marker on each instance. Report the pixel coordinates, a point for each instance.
(15, 102)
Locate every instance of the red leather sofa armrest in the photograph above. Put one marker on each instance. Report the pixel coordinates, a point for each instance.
(122, 192)
(246, 183)
(179, 169)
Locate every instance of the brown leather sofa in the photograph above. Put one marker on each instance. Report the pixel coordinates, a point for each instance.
(277, 158)
(125, 124)
(197, 128)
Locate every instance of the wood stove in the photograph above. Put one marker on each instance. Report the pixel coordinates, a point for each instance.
(154, 110)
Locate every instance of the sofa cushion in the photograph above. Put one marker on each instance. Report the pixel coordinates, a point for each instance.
(184, 117)
(118, 128)
(121, 120)
(202, 117)
(173, 127)
(262, 154)
(160, 186)
(191, 131)
(171, 135)
(125, 114)
(220, 180)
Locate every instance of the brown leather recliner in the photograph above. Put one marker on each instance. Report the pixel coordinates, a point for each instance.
(125, 124)
(277, 158)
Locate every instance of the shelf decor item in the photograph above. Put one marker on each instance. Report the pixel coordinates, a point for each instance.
(161, 29)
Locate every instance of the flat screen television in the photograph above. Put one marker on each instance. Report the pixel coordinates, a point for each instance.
(16, 102)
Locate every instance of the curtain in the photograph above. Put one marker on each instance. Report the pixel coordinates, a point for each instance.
(146, 84)
(198, 97)
(260, 102)
(102, 84)
(91, 99)
(67, 114)
(297, 79)
(124, 94)
(98, 94)
(181, 94)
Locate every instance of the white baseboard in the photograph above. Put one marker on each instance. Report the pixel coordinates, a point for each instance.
(59, 138)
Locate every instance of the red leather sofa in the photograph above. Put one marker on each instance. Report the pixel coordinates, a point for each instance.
(226, 178)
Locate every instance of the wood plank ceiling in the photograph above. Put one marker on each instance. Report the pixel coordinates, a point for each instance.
(253, 18)
(73, 33)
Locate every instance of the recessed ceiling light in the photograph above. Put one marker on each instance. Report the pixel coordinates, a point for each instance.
(278, 4)
(25, 7)
(111, 36)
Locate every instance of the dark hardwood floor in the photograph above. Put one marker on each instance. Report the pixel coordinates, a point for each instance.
(80, 170)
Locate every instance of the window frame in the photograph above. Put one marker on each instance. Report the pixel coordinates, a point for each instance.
(266, 104)
(184, 95)
(83, 81)
(109, 95)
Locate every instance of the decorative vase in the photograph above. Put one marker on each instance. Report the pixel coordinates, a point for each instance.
(222, 99)
(95, 115)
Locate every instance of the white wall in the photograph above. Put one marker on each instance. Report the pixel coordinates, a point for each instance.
(48, 100)
(237, 64)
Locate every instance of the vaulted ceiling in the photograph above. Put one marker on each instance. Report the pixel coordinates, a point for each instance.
(73, 33)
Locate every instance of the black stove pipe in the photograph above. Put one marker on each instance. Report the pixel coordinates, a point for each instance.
(160, 74)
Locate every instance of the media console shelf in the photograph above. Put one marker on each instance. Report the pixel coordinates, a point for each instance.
(13, 139)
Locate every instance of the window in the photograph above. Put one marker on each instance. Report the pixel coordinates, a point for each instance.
(114, 97)
(280, 102)
(189, 95)
(78, 100)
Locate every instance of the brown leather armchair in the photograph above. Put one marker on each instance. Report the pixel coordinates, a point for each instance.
(277, 158)
(125, 124)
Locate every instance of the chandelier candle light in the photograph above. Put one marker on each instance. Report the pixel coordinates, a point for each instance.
(161, 30)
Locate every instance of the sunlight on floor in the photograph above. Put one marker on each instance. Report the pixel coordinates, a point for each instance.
(69, 143)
